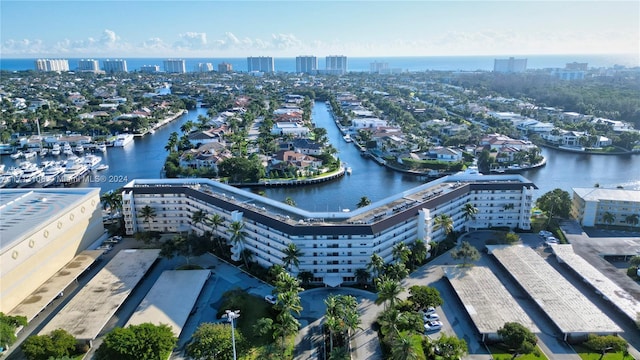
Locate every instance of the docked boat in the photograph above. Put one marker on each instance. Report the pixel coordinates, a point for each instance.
(55, 150)
(5, 180)
(102, 167)
(2, 166)
(348, 170)
(123, 140)
(74, 171)
(44, 152)
(30, 176)
(347, 138)
(30, 154)
(102, 147)
(17, 155)
(66, 149)
(92, 161)
(52, 174)
(79, 148)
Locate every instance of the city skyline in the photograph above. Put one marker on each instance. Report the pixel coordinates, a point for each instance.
(285, 29)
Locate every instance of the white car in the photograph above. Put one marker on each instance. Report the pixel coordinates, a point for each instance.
(432, 326)
(271, 299)
(551, 240)
(544, 234)
(428, 311)
(431, 317)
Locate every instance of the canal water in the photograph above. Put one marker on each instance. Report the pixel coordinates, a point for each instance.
(145, 157)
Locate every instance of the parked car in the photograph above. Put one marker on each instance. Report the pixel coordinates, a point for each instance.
(431, 317)
(551, 240)
(544, 234)
(271, 299)
(428, 311)
(432, 326)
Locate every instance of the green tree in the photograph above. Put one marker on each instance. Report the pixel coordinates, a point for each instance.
(466, 252)
(362, 276)
(470, 213)
(444, 222)
(635, 260)
(198, 217)
(215, 221)
(55, 345)
(291, 256)
(555, 202)
(172, 143)
(401, 252)
(403, 348)
(238, 237)
(388, 292)
(148, 213)
(8, 327)
(604, 343)
(450, 347)
(632, 220)
(305, 277)
(424, 296)
(289, 201)
(187, 246)
(364, 201)
(376, 264)
(137, 342)
(213, 341)
(608, 218)
(418, 252)
(517, 338)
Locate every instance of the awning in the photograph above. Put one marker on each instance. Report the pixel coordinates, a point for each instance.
(332, 280)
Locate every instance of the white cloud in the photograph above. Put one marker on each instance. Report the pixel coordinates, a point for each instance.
(192, 40)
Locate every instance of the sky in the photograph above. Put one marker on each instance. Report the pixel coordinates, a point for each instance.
(187, 29)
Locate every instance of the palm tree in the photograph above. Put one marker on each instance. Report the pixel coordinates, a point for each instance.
(608, 218)
(418, 252)
(291, 256)
(632, 220)
(187, 126)
(444, 222)
(214, 221)
(364, 201)
(401, 252)
(305, 277)
(376, 264)
(172, 143)
(388, 292)
(238, 235)
(402, 348)
(362, 276)
(470, 213)
(285, 326)
(198, 217)
(148, 213)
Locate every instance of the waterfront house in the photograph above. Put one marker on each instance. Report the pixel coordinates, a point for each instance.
(286, 128)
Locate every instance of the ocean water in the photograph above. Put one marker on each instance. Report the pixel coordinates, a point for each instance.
(362, 64)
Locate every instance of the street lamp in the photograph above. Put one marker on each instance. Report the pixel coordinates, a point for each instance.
(232, 315)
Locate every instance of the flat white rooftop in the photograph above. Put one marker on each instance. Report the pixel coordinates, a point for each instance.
(569, 309)
(600, 194)
(487, 301)
(171, 299)
(90, 309)
(24, 211)
(47, 292)
(619, 297)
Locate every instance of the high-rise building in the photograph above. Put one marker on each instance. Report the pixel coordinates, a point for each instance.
(336, 64)
(225, 67)
(577, 66)
(510, 65)
(204, 67)
(88, 65)
(149, 69)
(378, 67)
(176, 66)
(52, 65)
(306, 64)
(114, 66)
(260, 63)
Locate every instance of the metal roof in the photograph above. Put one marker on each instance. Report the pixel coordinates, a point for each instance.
(567, 307)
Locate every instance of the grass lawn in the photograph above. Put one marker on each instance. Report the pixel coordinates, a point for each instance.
(251, 309)
(499, 353)
(588, 354)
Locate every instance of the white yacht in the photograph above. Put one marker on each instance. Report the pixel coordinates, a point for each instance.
(74, 171)
(18, 154)
(66, 149)
(30, 154)
(123, 140)
(55, 150)
(52, 174)
(30, 176)
(101, 147)
(79, 148)
(44, 151)
(347, 138)
(102, 167)
(92, 161)
(2, 166)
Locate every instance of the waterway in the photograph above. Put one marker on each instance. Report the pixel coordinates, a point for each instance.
(145, 157)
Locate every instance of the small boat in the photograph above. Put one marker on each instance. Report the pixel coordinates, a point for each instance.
(17, 155)
(348, 170)
(44, 152)
(2, 166)
(347, 138)
(30, 154)
(151, 131)
(101, 147)
(55, 150)
(79, 148)
(102, 167)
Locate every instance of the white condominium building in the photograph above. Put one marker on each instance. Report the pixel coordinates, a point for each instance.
(115, 66)
(260, 63)
(598, 206)
(336, 64)
(52, 65)
(306, 64)
(176, 66)
(334, 244)
(510, 65)
(88, 65)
